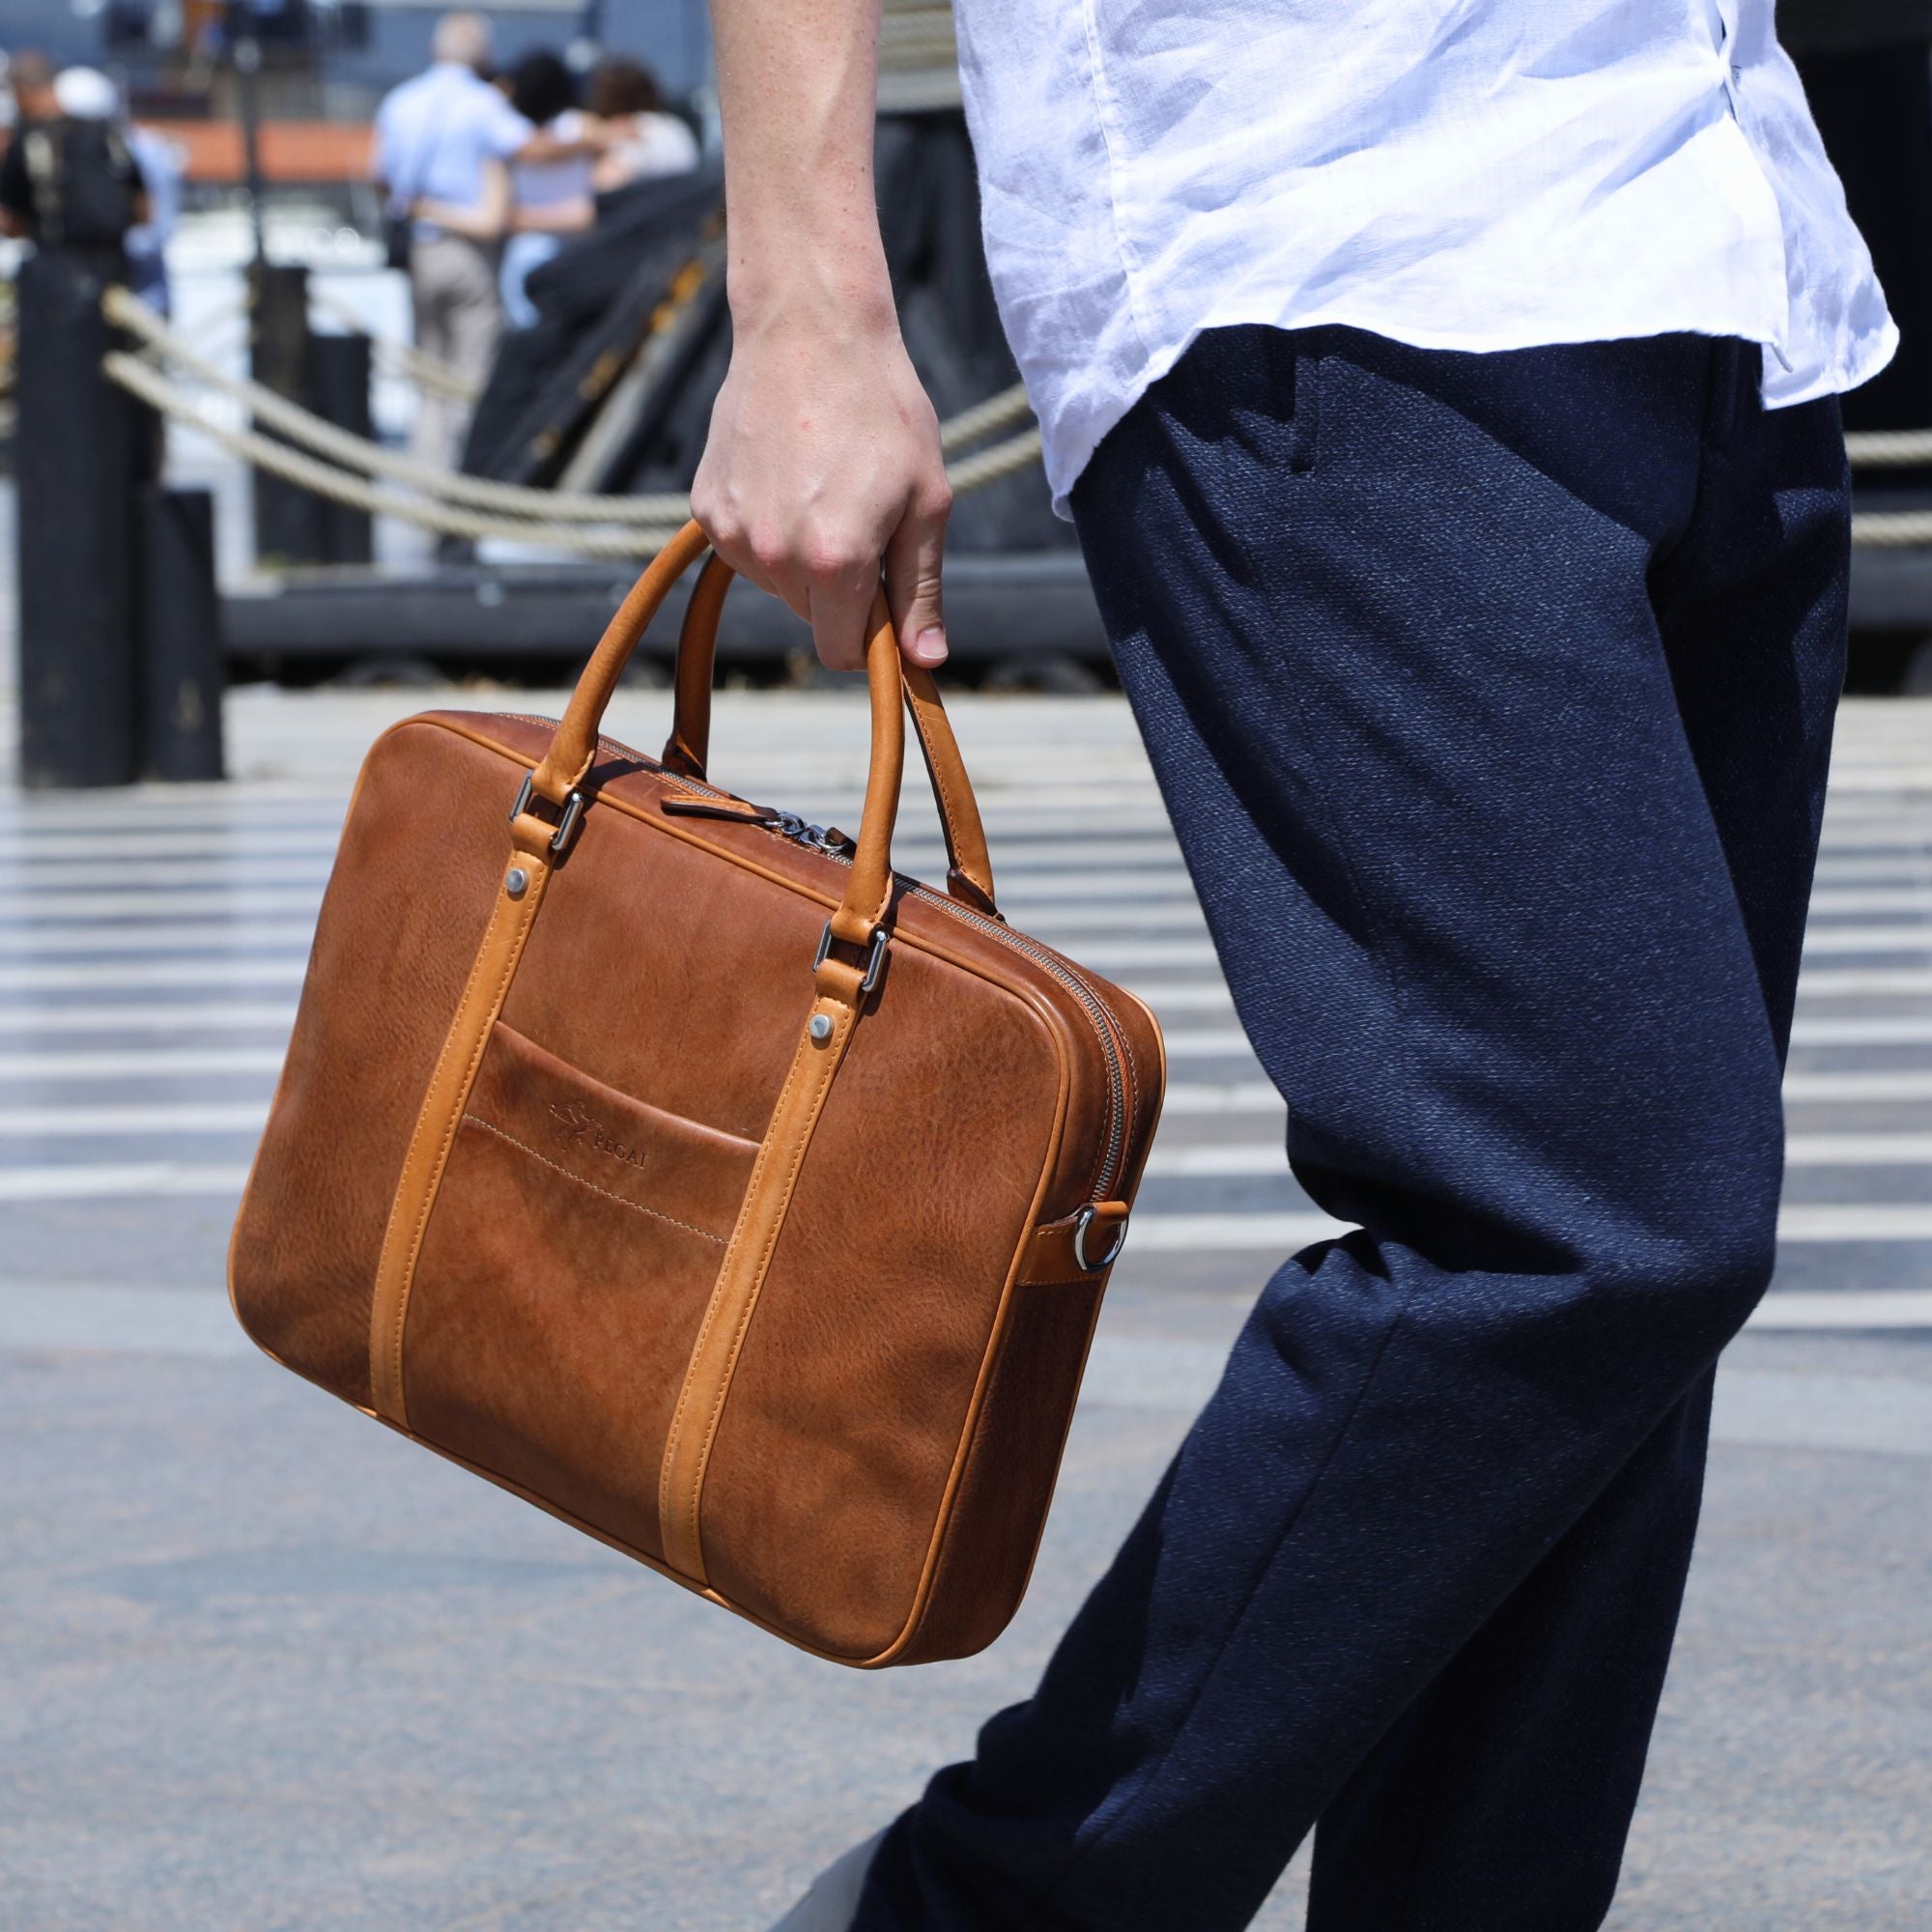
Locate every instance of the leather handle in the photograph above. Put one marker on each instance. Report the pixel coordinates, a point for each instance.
(969, 864)
(574, 746)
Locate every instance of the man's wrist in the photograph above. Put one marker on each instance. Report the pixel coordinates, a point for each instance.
(841, 288)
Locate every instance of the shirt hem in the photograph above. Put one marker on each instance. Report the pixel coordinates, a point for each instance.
(1860, 362)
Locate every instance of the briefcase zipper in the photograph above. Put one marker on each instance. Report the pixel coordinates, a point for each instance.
(835, 846)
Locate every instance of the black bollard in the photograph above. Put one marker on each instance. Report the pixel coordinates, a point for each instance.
(339, 393)
(182, 673)
(288, 519)
(78, 456)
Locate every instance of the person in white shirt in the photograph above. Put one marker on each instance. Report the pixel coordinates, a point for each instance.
(1446, 400)
(437, 139)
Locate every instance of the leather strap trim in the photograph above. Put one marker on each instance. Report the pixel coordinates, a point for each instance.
(969, 867)
(735, 1296)
(443, 1105)
(1049, 1256)
(689, 745)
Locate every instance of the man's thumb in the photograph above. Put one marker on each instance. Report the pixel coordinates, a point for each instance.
(912, 585)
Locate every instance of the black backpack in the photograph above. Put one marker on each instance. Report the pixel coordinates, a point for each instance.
(86, 184)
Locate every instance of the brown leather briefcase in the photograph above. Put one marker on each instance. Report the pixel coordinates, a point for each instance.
(680, 1168)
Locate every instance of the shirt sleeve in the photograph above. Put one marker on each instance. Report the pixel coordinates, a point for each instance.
(505, 132)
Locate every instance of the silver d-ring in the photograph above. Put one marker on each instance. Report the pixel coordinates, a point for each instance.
(1084, 1221)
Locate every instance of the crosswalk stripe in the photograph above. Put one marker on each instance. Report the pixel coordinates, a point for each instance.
(146, 1063)
(1878, 1030)
(170, 1117)
(1836, 899)
(1249, 1096)
(1279, 1234)
(1825, 938)
(153, 1016)
(1231, 1160)
(260, 935)
(1200, 1043)
(1833, 982)
(121, 1180)
(74, 975)
(1845, 1309)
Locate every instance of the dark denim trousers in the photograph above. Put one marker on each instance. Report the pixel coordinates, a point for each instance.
(1491, 698)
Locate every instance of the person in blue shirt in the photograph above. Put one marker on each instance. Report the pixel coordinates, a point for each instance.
(437, 139)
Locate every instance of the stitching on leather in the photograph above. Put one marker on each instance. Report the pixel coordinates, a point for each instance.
(667, 1497)
(379, 1349)
(571, 1174)
(758, 1272)
(672, 1502)
(935, 769)
(514, 950)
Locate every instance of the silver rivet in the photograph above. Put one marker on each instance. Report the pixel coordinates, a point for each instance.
(516, 882)
(821, 1027)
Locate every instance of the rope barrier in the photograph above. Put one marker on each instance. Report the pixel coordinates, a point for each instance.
(357, 452)
(973, 472)
(154, 390)
(655, 512)
(325, 479)
(1010, 406)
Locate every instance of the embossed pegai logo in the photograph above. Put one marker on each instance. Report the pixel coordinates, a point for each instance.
(575, 1123)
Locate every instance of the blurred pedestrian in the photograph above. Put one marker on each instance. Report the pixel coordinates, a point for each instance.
(28, 76)
(550, 200)
(643, 140)
(68, 179)
(1446, 399)
(436, 137)
(530, 207)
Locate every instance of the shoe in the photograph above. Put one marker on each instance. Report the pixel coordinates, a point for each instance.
(833, 1902)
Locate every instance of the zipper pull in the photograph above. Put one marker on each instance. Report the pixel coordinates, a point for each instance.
(683, 805)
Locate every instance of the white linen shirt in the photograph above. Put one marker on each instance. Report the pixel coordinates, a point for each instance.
(1455, 174)
(435, 132)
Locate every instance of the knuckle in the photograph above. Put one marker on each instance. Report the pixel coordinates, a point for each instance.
(830, 557)
(768, 548)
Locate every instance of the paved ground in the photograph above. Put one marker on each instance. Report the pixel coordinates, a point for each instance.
(264, 1666)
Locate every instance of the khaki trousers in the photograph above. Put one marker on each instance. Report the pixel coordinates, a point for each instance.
(459, 315)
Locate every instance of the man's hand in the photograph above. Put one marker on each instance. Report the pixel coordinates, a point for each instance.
(823, 461)
(823, 465)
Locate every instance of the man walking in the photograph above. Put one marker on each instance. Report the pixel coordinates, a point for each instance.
(1445, 401)
(435, 136)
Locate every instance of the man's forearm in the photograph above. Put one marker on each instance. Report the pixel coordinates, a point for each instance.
(797, 81)
(823, 465)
